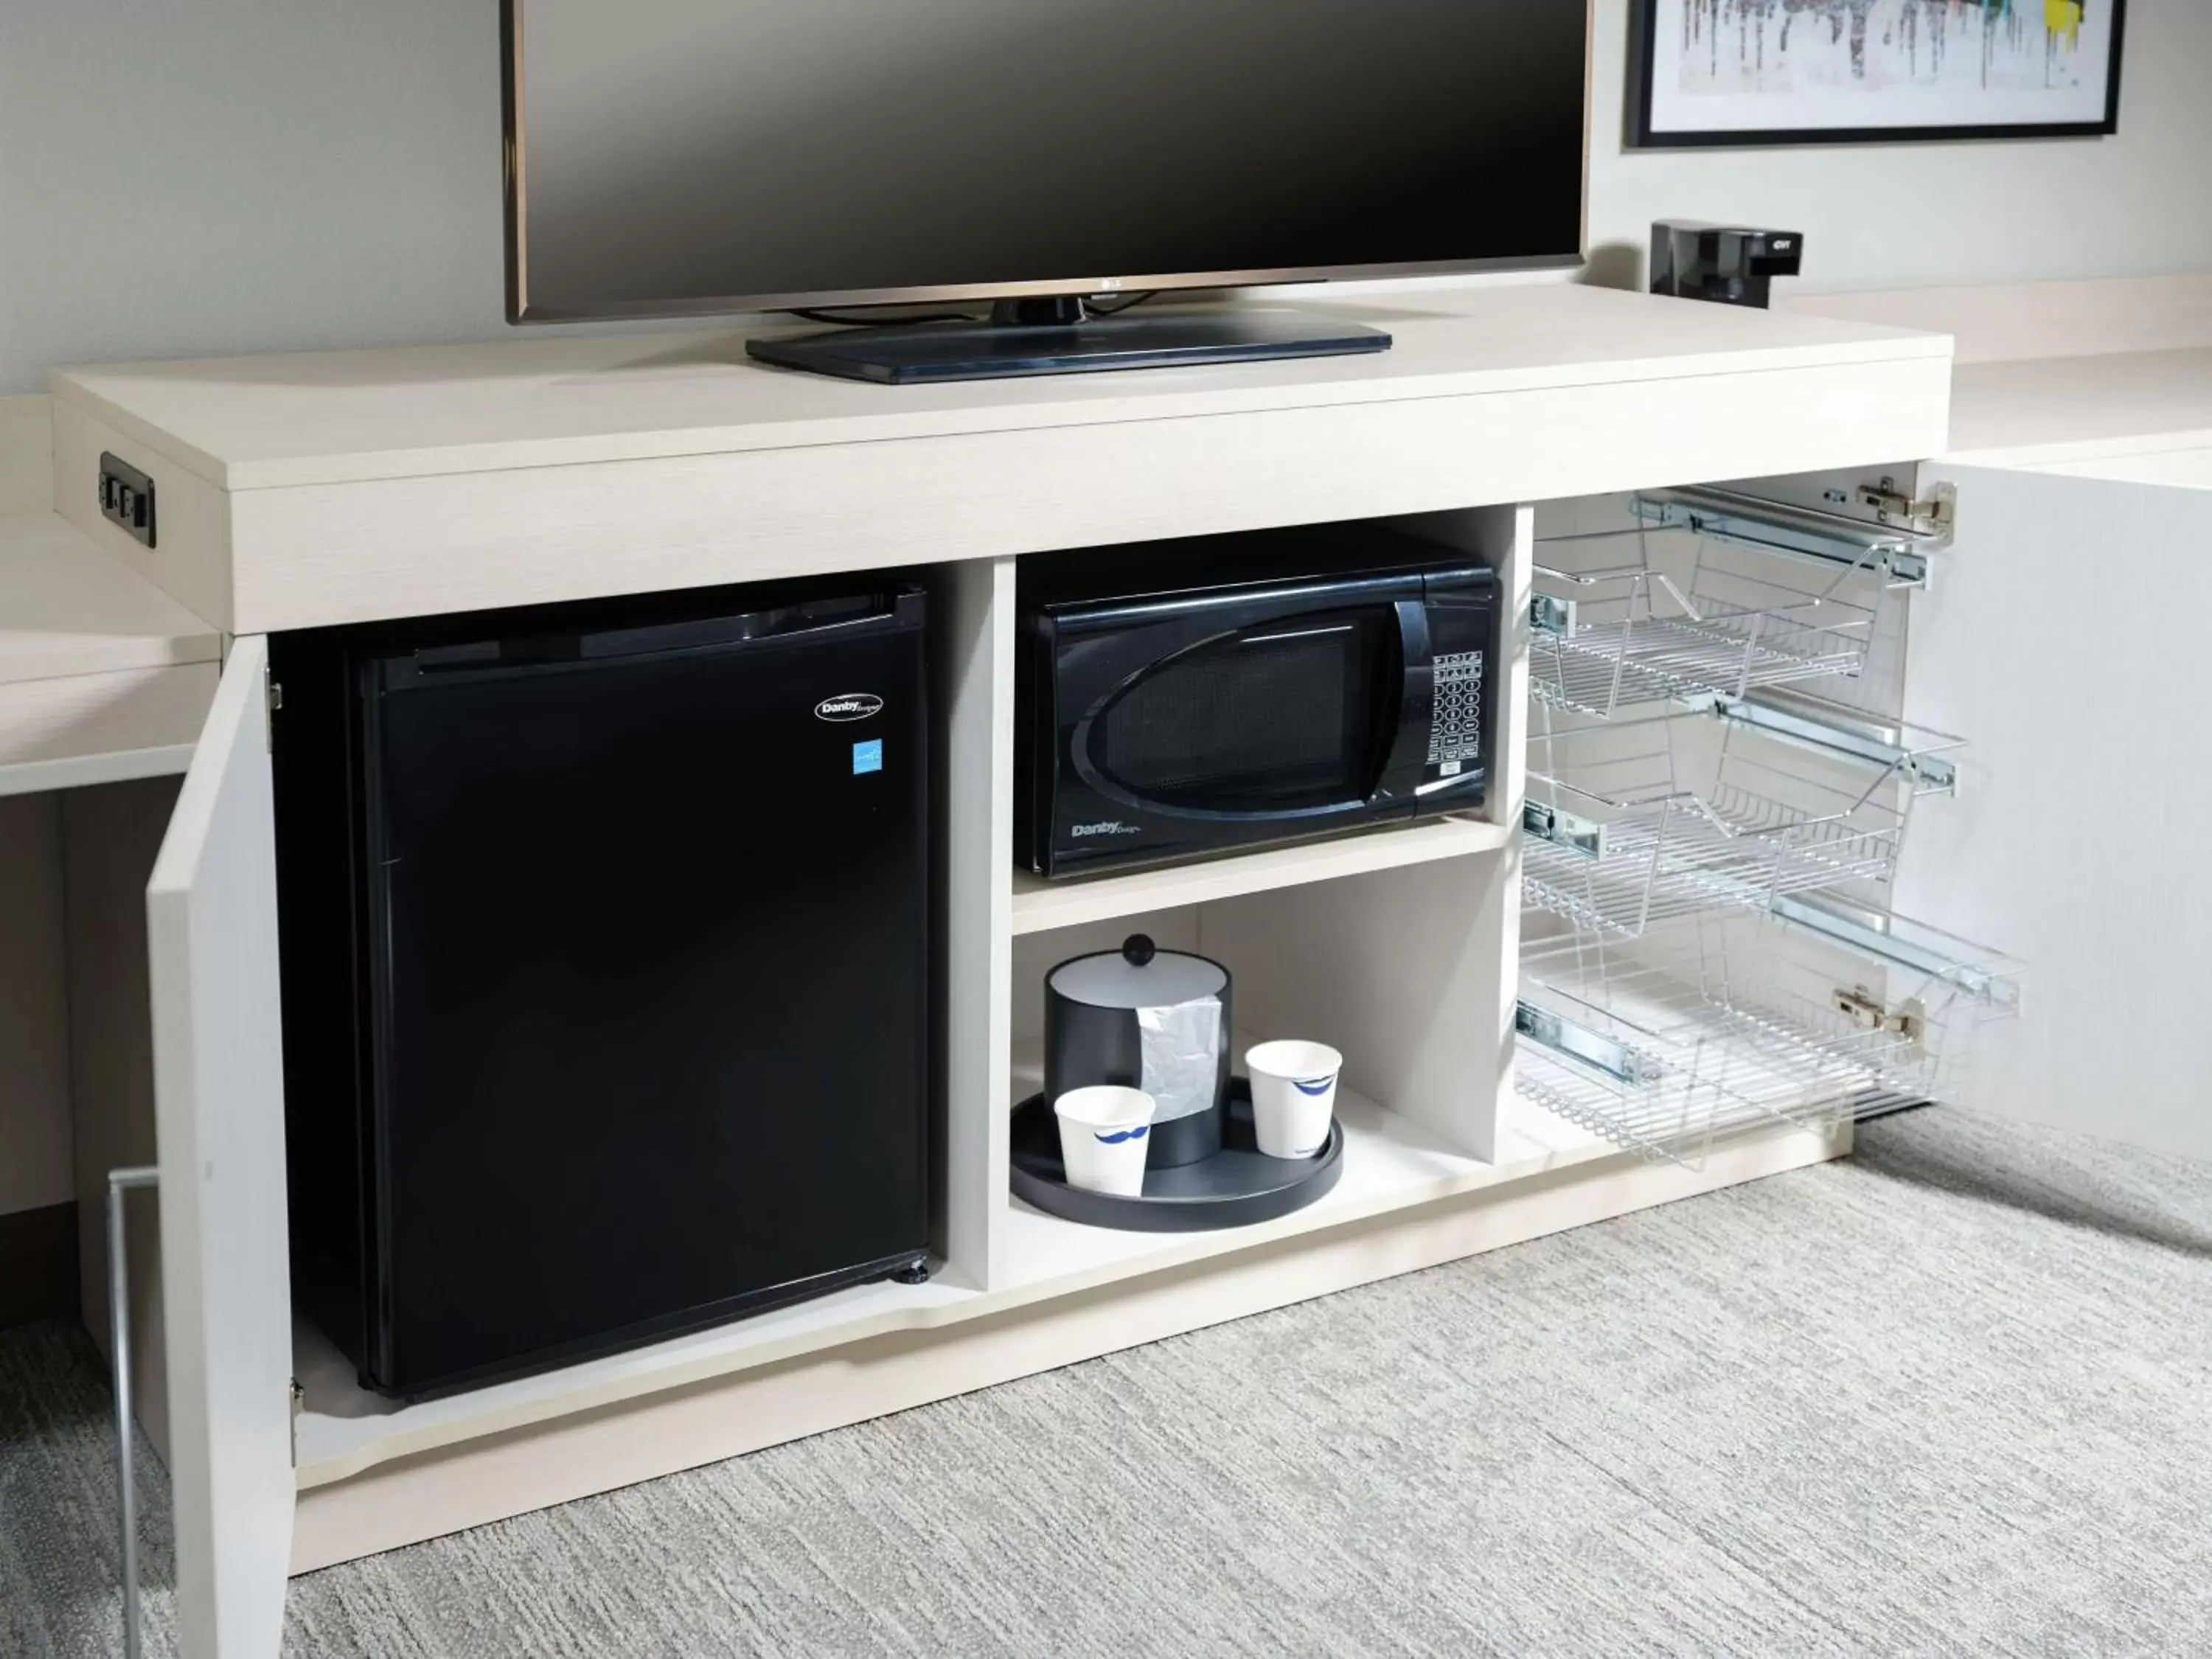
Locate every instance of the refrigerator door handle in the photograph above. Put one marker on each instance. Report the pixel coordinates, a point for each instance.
(555, 650)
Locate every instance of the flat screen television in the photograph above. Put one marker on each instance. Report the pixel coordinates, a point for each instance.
(673, 157)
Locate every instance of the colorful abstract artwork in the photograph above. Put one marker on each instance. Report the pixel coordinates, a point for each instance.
(1808, 71)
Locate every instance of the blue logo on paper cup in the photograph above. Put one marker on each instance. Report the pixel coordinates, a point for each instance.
(868, 757)
(1314, 1086)
(1115, 1139)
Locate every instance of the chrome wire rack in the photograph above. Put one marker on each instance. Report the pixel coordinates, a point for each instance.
(1812, 1014)
(1640, 615)
(1632, 824)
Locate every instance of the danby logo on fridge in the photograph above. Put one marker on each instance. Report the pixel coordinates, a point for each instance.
(1110, 827)
(850, 705)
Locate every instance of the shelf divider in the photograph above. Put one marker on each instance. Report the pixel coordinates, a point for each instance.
(1041, 906)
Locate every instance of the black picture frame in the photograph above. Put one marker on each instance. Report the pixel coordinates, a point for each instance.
(1644, 67)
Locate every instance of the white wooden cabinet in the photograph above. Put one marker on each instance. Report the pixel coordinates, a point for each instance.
(219, 1112)
(2069, 631)
(1428, 906)
(368, 485)
(344, 489)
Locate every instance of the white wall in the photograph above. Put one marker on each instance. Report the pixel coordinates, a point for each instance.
(183, 177)
(189, 177)
(1909, 216)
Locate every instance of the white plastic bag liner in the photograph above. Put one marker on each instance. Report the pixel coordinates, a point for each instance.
(1177, 1000)
(1182, 1048)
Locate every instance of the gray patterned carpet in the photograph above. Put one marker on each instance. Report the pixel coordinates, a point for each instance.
(1952, 1397)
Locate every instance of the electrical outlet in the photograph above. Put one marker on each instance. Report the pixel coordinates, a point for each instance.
(126, 497)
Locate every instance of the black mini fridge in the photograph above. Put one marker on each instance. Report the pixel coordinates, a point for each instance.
(604, 935)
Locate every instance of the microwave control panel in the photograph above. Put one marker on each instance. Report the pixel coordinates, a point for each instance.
(1455, 718)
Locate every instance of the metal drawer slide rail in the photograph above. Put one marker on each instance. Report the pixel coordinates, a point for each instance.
(1914, 753)
(1900, 554)
(1983, 977)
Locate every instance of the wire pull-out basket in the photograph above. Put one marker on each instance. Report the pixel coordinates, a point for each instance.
(1619, 618)
(1633, 823)
(1816, 1013)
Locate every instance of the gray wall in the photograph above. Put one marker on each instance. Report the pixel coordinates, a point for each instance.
(184, 177)
(1911, 216)
(189, 177)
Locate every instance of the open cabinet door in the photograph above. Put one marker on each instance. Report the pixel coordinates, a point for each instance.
(2066, 635)
(219, 1115)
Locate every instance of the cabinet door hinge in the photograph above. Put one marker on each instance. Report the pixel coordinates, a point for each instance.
(299, 1404)
(1937, 515)
(273, 699)
(1867, 1012)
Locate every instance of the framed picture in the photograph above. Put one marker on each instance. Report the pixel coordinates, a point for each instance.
(1852, 71)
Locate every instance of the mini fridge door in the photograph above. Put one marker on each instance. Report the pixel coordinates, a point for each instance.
(647, 933)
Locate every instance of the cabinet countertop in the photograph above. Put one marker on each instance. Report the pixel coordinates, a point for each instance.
(2037, 411)
(551, 399)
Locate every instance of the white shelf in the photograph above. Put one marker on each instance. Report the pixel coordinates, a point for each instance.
(103, 676)
(1041, 906)
(1388, 1164)
(67, 608)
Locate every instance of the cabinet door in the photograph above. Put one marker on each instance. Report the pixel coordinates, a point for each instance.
(219, 1115)
(2065, 635)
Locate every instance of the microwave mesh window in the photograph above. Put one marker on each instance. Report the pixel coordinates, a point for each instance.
(1276, 718)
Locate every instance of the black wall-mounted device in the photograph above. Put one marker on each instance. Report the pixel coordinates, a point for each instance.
(1732, 264)
(126, 497)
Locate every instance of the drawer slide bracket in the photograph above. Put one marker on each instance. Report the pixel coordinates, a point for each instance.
(1585, 836)
(1585, 1047)
(1866, 1011)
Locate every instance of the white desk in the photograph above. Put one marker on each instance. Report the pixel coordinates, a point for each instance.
(2087, 414)
(103, 676)
(303, 491)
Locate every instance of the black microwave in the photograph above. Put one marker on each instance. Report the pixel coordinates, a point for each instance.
(1188, 696)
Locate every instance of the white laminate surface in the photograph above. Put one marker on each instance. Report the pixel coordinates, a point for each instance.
(2040, 411)
(67, 608)
(2098, 316)
(552, 399)
(1041, 906)
(1389, 1164)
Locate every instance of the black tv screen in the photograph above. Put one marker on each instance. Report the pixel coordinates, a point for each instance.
(687, 155)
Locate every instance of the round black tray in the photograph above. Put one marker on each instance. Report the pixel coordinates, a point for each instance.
(1238, 1186)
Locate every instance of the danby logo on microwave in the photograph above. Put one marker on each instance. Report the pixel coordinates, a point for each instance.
(850, 705)
(1110, 827)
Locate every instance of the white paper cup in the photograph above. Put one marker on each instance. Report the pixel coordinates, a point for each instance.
(1293, 1095)
(1104, 1133)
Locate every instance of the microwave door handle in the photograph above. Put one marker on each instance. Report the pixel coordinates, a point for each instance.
(1409, 743)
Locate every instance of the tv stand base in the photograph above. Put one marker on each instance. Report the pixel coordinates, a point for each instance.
(1055, 337)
